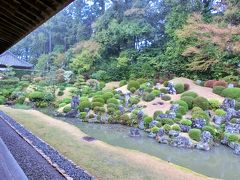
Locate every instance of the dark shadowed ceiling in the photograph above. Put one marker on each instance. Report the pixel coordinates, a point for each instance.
(19, 17)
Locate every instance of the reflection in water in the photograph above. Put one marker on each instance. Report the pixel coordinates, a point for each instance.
(219, 162)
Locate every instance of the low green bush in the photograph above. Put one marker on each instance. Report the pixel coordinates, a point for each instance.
(60, 93)
(36, 96)
(156, 92)
(179, 88)
(62, 105)
(214, 104)
(111, 105)
(148, 97)
(182, 110)
(156, 114)
(195, 134)
(83, 105)
(201, 102)
(220, 112)
(175, 127)
(101, 100)
(133, 84)
(125, 119)
(107, 96)
(210, 129)
(81, 99)
(82, 115)
(163, 90)
(2, 100)
(232, 137)
(96, 104)
(147, 120)
(20, 100)
(167, 127)
(188, 100)
(134, 100)
(141, 80)
(189, 93)
(41, 104)
(181, 103)
(132, 90)
(155, 129)
(67, 109)
(122, 83)
(199, 113)
(117, 96)
(166, 98)
(218, 90)
(113, 101)
(167, 121)
(233, 93)
(186, 122)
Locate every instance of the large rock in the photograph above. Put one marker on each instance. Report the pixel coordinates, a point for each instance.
(171, 89)
(174, 107)
(206, 141)
(228, 103)
(185, 128)
(72, 114)
(182, 142)
(218, 120)
(152, 135)
(237, 149)
(134, 132)
(198, 123)
(153, 123)
(163, 139)
(173, 133)
(232, 128)
(161, 132)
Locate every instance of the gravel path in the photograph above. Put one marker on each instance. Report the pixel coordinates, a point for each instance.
(33, 164)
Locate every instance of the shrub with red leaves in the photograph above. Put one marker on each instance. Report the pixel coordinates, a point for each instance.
(209, 83)
(220, 83)
(186, 87)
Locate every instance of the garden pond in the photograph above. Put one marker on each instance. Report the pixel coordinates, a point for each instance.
(220, 162)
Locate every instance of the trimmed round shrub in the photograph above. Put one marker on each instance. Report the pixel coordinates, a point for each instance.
(199, 113)
(82, 115)
(179, 88)
(181, 103)
(186, 86)
(133, 89)
(147, 120)
(41, 104)
(233, 93)
(156, 92)
(122, 83)
(112, 101)
(83, 105)
(233, 138)
(188, 100)
(195, 134)
(67, 109)
(2, 100)
(210, 129)
(220, 112)
(36, 96)
(134, 100)
(156, 114)
(81, 99)
(175, 127)
(96, 104)
(111, 110)
(133, 84)
(111, 105)
(125, 119)
(218, 90)
(163, 90)
(214, 104)
(62, 105)
(60, 93)
(99, 109)
(141, 80)
(189, 93)
(167, 121)
(201, 102)
(20, 100)
(107, 96)
(155, 129)
(148, 97)
(101, 100)
(117, 96)
(220, 83)
(209, 83)
(186, 122)
(166, 98)
(233, 120)
(167, 127)
(182, 110)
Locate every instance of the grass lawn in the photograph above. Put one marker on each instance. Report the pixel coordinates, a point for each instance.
(98, 158)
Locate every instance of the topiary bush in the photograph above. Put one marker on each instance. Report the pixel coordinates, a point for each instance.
(107, 96)
(179, 88)
(210, 129)
(186, 122)
(133, 84)
(156, 92)
(237, 106)
(218, 90)
(188, 100)
(141, 80)
(36, 96)
(166, 98)
(148, 97)
(67, 109)
(167, 128)
(62, 105)
(181, 103)
(155, 129)
(214, 104)
(125, 119)
(82, 115)
(167, 121)
(113, 101)
(132, 89)
(195, 134)
(232, 137)
(83, 105)
(175, 127)
(98, 99)
(134, 100)
(209, 83)
(233, 93)
(199, 113)
(147, 120)
(182, 110)
(2, 100)
(189, 93)
(220, 112)
(201, 102)
(163, 90)
(220, 83)
(96, 104)
(122, 83)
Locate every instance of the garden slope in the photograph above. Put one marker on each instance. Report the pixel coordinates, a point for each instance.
(113, 162)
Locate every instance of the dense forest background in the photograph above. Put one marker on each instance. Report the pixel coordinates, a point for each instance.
(122, 39)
